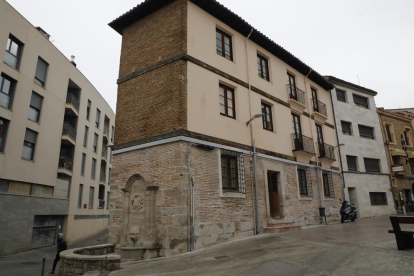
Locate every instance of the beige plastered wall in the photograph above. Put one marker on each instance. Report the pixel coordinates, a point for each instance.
(203, 90)
(43, 169)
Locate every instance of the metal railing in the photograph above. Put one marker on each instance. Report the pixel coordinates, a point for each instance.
(66, 163)
(71, 99)
(69, 131)
(106, 131)
(326, 151)
(319, 107)
(102, 178)
(302, 143)
(101, 204)
(296, 94)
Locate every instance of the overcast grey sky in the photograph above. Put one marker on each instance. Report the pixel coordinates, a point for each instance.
(372, 39)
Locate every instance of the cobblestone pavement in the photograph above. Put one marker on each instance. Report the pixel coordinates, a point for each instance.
(360, 248)
(30, 263)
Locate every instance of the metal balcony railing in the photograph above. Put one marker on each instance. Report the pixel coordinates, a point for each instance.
(319, 107)
(101, 204)
(326, 151)
(66, 163)
(69, 131)
(296, 94)
(102, 178)
(71, 99)
(302, 143)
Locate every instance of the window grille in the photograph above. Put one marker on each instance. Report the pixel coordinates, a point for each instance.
(372, 165)
(232, 172)
(378, 198)
(328, 184)
(365, 131)
(340, 96)
(361, 101)
(304, 180)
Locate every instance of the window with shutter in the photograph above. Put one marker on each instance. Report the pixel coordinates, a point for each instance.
(29, 144)
(13, 52)
(365, 131)
(35, 106)
(372, 165)
(352, 163)
(4, 124)
(346, 128)
(7, 86)
(80, 195)
(360, 101)
(41, 70)
(91, 192)
(341, 96)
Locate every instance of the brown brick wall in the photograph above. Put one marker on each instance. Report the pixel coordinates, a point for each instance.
(158, 36)
(153, 103)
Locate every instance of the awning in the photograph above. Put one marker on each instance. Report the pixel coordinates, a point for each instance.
(410, 154)
(395, 152)
(406, 128)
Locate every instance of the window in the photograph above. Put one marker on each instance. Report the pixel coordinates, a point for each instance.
(227, 106)
(109, 176)
(4, 185)
(101, 196)
(389, 129)
(83, 164)
(88, 109)
(346, 128)
(29, 144)
(95, 142)
(85, 136)
(378, 198)
(107, 200)
(302, 179)
(35, 106)
(98, 116)
(112, 135)
(41, 70)
(411, 161)
(4, 125)
(224, 44)
(232, 172)
(352, 163)
(267, 117)
(397, 160)
(263, 67)
(13, 52)
(365, 131)
(407, 138)
(292, 87)
(93, 168)
(360, 101)
(372, 165)
(326, 185)
(341, 96)
(7, 86)
(91, 192)
(80, 195)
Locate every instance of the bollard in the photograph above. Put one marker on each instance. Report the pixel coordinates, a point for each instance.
(43, 266)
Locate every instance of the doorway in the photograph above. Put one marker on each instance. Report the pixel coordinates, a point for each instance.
(274, 194)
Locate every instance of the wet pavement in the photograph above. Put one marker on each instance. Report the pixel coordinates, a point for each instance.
(363, 247)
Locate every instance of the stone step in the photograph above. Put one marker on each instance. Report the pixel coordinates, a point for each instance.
(281, 229)
(281, 223)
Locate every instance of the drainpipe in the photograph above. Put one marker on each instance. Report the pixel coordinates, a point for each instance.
(339, 149)
(192, 185)
(311, 130)
(255, 199)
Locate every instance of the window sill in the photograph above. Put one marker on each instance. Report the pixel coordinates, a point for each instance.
(264, 79)
(329, 198)
(44, 87)
(305, 198)
(33, 121)
(28, 160)
(227, 58)
(366, 137)
(17, 70)
(6, 109)
(232, 195)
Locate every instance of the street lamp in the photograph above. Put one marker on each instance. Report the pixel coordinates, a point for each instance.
(255, 174)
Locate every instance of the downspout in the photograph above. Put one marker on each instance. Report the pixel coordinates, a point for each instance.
(254, 197)
(311, 130)
(192, 185)
(339, 148)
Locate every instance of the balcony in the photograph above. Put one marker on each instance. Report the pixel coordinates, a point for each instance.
(72, 105)
(102, 178)
(398, 169)
(302, 143)
(326, 151)
(105, 133)
(296, 98)
(65, 165)
(101, 204)
(68, 134)
(319, 111)
(104, 153)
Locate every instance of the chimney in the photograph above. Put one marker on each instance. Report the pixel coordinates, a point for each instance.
(45, 34)
(72, 60)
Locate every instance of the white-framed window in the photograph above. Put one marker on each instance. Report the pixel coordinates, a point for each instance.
(232, 176)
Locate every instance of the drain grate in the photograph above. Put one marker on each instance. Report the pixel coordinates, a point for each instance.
(220, 257)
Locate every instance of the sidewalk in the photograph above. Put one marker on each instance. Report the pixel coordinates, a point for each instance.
(360, 248)
(30, 263)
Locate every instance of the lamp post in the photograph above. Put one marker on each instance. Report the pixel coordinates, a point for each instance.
(255, 175)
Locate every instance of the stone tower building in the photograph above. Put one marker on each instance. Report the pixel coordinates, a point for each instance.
(193, 75)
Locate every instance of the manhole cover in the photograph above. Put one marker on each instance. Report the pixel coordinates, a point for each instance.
(221, 257)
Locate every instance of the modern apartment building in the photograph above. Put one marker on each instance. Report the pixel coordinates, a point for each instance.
(364, 160)
(54, 131)
(198, 88)
(397, 129)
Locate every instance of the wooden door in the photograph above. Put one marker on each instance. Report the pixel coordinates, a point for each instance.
(274, 201)
(321, 144)
(292, 87)
(315, 100)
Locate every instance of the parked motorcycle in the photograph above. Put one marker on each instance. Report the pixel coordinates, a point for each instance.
(348, 212)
